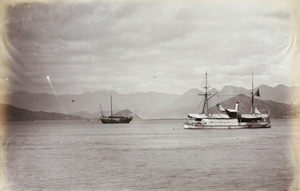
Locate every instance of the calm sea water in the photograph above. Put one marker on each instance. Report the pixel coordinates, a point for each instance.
(146, 155)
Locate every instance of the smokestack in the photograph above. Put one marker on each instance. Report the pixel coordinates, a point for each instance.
(237, 106)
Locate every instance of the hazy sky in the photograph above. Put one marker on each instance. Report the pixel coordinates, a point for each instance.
(163, 46)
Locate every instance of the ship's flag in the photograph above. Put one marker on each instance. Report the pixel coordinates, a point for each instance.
(257, 93)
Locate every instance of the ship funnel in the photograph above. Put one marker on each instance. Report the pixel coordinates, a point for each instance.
(237, 106)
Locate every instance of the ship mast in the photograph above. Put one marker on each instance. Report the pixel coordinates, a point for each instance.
(111, 112)
(205, 104)
(206, 98)
(101, 110)
(252, 97)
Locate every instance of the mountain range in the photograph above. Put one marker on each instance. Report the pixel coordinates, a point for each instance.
(16, 114)
(147, 105)
(276, 110)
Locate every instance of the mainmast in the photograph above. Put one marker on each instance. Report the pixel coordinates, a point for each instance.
(101, 110)
(205, 104)
(252, 97)
(111, 112)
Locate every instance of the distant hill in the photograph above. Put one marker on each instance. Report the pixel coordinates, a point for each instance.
(277, 110)
(145, 105)
(188, 99)
(280, 93)
(90, 102)
(128, 113)
(16, 114)
(232, 91)
(96, 115)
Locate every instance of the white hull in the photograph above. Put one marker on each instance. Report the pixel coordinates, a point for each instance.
(210, 123)
(243, 125)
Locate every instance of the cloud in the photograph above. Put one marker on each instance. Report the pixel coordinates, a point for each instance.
(123, 46)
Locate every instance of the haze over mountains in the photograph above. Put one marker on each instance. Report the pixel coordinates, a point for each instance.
(145, 105)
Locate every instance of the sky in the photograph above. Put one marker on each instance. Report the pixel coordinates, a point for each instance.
(73, 47)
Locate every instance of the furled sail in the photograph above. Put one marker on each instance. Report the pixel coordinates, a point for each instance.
(256, 111)
(220, 108)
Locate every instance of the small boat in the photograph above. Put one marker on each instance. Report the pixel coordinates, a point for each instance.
(112, 118)
(227, 118)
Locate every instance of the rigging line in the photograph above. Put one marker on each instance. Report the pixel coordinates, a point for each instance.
(199, 106)
(203, 81)
(195, 102)
(114, 107)
(219, 99)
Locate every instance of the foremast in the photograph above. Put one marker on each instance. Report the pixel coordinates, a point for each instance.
(101, 110)
(252, 97)
(111, 112)
(205, 109)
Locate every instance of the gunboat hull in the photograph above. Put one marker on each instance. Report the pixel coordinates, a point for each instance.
(230, 125)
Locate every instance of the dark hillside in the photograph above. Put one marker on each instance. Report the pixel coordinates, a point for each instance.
(277, 110)
(16, 114)
(128, 113)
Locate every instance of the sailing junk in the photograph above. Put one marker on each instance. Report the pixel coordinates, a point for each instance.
(228, 118)
(112, 118)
